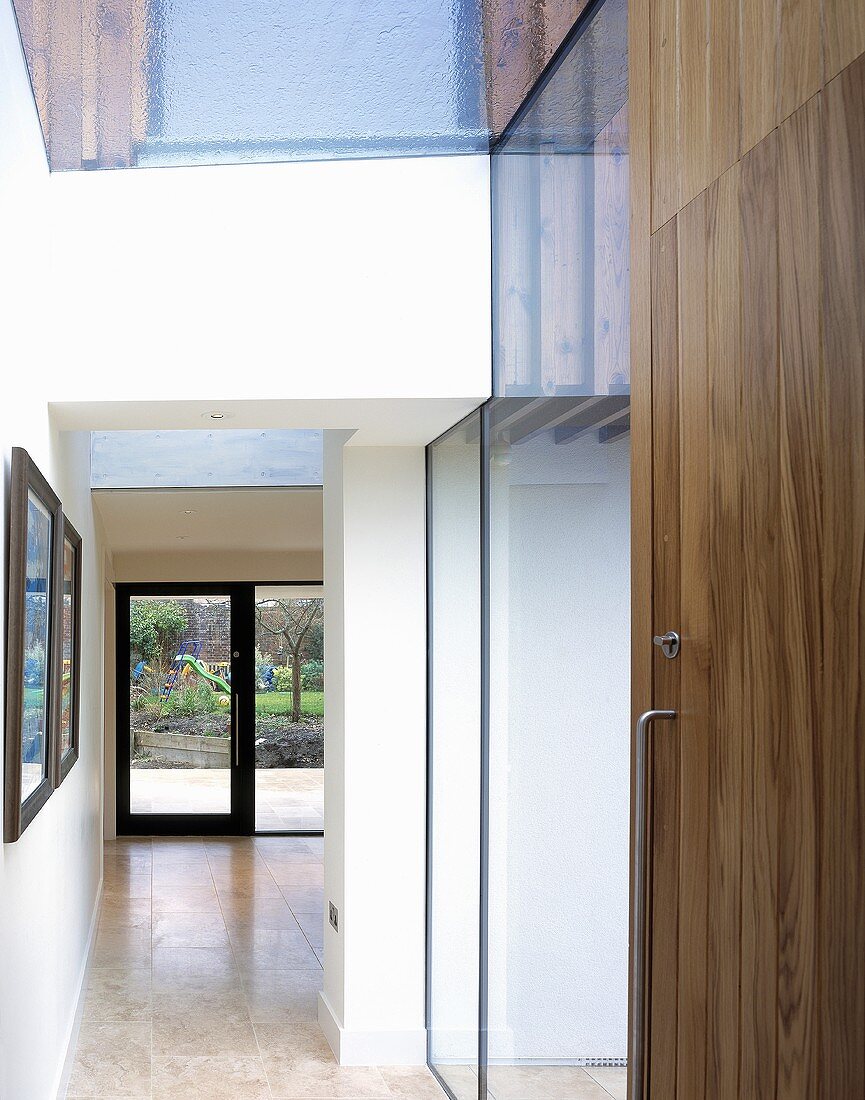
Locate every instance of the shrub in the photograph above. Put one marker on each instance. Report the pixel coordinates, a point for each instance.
(155, 627)
(263, 665)
(188, 701)
(282, 678)
(312, 676)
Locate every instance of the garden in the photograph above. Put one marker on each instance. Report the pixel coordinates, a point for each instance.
(180, 704)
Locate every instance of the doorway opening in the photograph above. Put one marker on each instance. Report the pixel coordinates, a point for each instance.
(220, 709)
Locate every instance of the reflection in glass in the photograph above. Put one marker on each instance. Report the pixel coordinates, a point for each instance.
(559, 743)
(561, 226)
(180, 704)
(37, 661)
(68, 681)
(289, 710)
(455, 687)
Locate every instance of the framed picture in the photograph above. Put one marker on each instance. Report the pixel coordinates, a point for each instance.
(68, 675)
(33, 643)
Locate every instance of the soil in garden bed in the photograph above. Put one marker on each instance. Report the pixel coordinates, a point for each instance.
(279, 742)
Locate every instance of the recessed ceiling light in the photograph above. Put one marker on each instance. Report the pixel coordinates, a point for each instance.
(189, 511)
(180, 538)
(217, 416)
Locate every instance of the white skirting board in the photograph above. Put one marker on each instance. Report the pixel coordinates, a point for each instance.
(370, 1048)
(75, 1022)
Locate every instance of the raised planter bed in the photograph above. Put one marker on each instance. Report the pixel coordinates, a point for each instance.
(185, 748)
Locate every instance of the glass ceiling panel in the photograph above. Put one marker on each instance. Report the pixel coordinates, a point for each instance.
(165, 82)
(227, 458)
(582, 94)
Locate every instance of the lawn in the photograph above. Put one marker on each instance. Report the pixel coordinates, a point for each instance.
(279, 702)
(33, 698)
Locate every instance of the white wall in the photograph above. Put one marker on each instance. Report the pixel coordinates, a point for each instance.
(225, 565)
(50, 877)
(372, 1008)
(366, 279)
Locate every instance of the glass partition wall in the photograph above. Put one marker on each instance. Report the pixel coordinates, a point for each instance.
(529, 611)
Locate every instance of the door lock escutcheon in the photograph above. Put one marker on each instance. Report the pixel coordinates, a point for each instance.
(669, 644)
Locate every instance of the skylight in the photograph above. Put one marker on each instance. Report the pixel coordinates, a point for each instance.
(222, 458)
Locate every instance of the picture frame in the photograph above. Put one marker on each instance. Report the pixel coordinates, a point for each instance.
(67, 671)
(33, 643)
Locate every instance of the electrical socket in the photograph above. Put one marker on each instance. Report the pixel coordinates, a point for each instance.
(334, 916)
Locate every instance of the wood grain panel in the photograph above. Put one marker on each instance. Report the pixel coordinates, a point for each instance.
(662, 88)
(800, 53)
(665, 761)
(843, 34)
(800, 471)
(723, 33)
(611, 248)
(771, 276)
(693, 148)
(726, 577)
(695, 656)
(842, 749)
(759, 34)
(761, 683)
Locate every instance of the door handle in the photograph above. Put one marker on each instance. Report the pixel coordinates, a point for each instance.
(669, 644)
(638, 917)
(235, 728)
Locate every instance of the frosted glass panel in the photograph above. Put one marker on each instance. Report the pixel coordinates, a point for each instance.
(121, 83)
(201, 459)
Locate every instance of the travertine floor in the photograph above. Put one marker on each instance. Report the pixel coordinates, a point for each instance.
(531, 1082)
(285, 798)
(205, 977)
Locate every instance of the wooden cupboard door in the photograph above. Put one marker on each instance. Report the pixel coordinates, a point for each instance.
(756, 949)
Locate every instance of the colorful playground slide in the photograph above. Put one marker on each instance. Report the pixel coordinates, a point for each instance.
(196, 666)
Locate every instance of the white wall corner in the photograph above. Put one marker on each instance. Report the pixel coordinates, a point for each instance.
(371, 1048)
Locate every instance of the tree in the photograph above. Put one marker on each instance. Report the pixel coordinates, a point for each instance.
(294, 621)
(155, 627)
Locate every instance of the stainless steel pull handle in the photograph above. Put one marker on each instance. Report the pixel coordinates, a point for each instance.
(235, 728)
(669, 644)
(638, 919)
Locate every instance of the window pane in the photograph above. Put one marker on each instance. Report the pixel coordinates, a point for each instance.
(559, 744)
(68, 683)
(289, 709)
(561, 228)
(180, 704)
(37, 660)
(455, 764)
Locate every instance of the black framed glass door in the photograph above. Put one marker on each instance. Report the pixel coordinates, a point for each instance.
(185, 709)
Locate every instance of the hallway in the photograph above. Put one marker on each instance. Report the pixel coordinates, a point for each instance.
(205, 976)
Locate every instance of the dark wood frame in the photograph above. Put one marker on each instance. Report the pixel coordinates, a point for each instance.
(26, 477)
(62, 764)
(241, 820)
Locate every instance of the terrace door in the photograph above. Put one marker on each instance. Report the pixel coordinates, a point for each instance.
(185, 716)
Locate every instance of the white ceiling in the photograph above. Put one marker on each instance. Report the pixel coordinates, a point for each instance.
(368, 422)
(181, 520)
